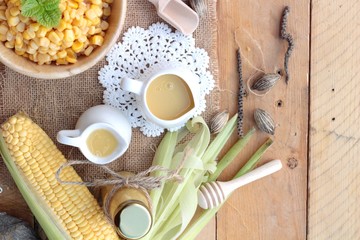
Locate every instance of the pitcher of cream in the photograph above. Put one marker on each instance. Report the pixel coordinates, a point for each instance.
(168, 98)
(102, 134)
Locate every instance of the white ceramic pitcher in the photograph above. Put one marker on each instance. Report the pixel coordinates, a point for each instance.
(140, 89)
(99, 117)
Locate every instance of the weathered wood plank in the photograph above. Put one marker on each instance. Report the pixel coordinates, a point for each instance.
(275, 207)
(334, 126)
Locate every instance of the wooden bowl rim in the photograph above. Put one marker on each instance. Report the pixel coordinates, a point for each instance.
(25, 66)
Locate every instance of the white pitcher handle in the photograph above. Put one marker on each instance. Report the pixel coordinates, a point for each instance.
(131, 85)
(69, 137)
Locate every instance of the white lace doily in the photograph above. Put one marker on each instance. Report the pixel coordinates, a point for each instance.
(143, 51)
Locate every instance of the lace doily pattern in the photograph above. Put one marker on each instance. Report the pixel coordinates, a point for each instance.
(142, 52)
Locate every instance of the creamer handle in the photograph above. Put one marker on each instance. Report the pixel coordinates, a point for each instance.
(131, 85)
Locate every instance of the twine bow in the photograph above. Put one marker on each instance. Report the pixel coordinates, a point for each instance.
(139, 181)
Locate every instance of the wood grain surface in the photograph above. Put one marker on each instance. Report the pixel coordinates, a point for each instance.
(274, 207)
(334, 126)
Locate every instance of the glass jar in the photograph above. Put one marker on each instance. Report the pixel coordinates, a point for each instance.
(129, 210)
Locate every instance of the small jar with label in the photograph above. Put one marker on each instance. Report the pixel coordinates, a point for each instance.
(129, 211)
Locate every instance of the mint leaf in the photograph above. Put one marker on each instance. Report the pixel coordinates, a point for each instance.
(30, 8)
(50, 18)
(46, 12)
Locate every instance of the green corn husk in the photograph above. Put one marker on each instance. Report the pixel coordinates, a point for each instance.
(164, 151)
(198, 224)
(176, 203)
(231, 154)
(254, 160)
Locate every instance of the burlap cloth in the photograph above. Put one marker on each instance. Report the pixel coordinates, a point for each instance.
(57, 104)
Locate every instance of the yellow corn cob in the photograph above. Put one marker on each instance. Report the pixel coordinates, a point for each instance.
(64, 211)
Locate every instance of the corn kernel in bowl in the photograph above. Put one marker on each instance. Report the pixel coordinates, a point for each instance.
(80, 31)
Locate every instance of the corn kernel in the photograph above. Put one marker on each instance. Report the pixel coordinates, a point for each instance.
(9, 45)
(82, 38)
(19, 41)
(68, 26)
(9, 36)
(61, 61)
(71, 57)
(88, 50)
(77, 46)
(62, 6)
(72, 13)
(66, 16)
(62, 25)
(3, 29)
(72, 4)
(77, 32)
(60, 34)
(20, 27)
(104, 25)
(2, 15)
(97, 40)
(44, 42)
(33, 45)
(67, 44)
(37, 41)
(41, 32)
(34, 26)
(80, 12)
(97, 10)
(24, 19)
(76, 22)
(90, 14)
(54, 37)
(69, 36)
(19, 52)
(98, 30)
(14, 11)
(52, 52)
(54, 46)
(89, 23)
(31, 50)
(91, 30)
(62, 54)
(96, 2)
(96, 21)
(7, 13)
(107, 12)
(28, 35)
(13, 21)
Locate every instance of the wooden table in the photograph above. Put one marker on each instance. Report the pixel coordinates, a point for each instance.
(316, 195)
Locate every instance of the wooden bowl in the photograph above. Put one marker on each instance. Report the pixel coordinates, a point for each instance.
(27, 67)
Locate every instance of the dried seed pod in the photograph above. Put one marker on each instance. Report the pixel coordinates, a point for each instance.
(241, 95)
(218, 122)
(264, 121)
(289, 38)
(266, 82)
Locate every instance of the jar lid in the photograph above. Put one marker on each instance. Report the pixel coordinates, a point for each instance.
(135, 221)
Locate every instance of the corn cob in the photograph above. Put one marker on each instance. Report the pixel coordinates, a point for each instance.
(63, 211)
